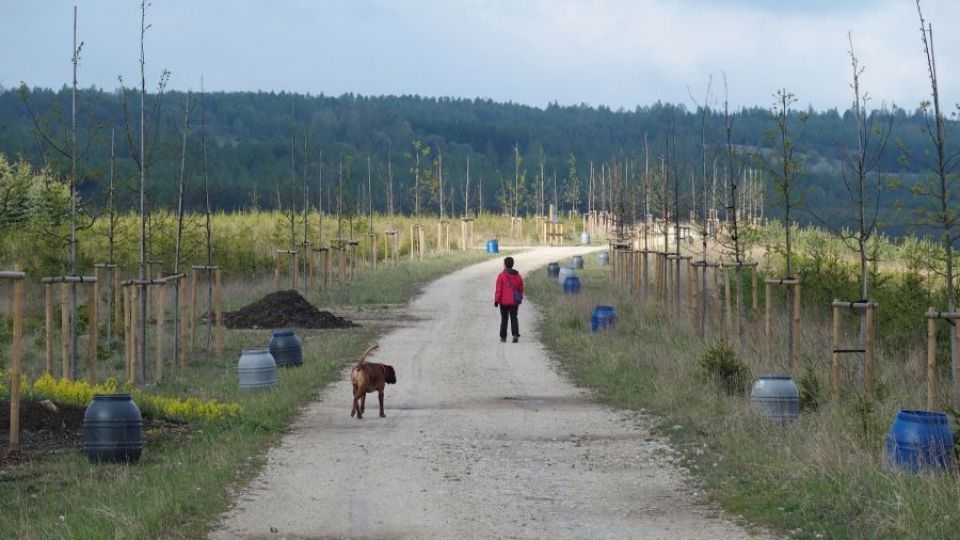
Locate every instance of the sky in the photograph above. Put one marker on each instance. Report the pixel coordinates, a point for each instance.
(616, 53)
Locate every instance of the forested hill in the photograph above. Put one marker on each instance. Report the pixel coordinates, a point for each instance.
(249, 144)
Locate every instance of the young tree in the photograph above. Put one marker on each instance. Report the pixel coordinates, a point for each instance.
(571, 185)
(940, 187)
(704, 229)
(785, 169)
(67, 148)
(179, 239)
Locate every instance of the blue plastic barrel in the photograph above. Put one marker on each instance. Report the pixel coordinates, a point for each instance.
(553, 270)
(493, 246)
(602, 317)
(920, 440)
(571, 285)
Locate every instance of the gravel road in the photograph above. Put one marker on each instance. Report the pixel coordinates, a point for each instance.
(482, 439)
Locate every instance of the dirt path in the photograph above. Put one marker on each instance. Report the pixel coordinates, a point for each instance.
(482, 440)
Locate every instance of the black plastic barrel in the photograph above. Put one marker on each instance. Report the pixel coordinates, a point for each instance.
(113, 429)
(602, 317)
(286, 348)
(920, 440)
(553, 270)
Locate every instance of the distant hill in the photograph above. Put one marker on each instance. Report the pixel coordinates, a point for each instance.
(249, 145)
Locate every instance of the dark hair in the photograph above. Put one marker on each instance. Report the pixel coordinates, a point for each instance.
(508, 262)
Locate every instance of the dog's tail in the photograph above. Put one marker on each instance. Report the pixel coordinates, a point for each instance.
(366, 353)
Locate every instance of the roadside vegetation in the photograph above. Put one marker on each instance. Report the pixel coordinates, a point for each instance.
(824, 476)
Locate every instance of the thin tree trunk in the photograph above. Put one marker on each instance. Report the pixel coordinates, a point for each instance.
(74, 267)
(142, 353)
(177, 250)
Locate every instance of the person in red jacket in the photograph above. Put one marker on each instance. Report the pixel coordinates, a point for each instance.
(508, 296)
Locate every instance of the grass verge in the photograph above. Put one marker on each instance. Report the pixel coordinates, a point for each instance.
(185, 478)
(821, 477)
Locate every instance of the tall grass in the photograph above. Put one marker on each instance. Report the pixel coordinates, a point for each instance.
(823, 476)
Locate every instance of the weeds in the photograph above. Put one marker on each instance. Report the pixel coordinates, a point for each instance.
(811, 390)
(721, 365)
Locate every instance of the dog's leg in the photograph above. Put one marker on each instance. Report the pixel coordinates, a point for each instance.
(353, 409)
(380, 395)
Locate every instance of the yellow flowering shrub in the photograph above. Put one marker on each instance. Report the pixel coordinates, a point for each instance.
(80, 393)
(4, 384)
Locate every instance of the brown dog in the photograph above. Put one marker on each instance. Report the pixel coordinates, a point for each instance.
(369, 377)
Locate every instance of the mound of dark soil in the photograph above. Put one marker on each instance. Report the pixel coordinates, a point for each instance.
(283, 309)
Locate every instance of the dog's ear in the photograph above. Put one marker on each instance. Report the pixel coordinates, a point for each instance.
(391, 375)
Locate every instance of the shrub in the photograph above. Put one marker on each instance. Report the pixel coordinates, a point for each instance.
(80, 393)
(720, 364)
(811, 390)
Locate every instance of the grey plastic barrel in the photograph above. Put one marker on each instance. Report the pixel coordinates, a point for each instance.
(257, 369)
(585, 238)
(776, 398)
(565, 272)
(112, 429)
(577, 262)
(603, 258)
(286, 348)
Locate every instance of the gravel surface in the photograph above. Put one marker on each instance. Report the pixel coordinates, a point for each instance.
(482, 439)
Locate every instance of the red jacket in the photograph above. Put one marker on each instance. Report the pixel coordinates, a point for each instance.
(503, 294)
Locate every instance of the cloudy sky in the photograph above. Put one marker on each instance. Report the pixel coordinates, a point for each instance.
(619, 53)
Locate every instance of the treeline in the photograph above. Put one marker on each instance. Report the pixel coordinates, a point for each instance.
(262, 147)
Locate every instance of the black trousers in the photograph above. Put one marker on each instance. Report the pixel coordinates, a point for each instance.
(514, 325)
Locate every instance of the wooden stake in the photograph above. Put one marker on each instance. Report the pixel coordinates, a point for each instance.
(767, 322)
(218, 307)
(727, 308)
(276, 272)
(869, 351)
(127, 335)
(93, 303)
(48, 315)
(931, 359)
(160, 296)
(795, 352)
(193, 308)
(117, 304)
(15, 354)
(835, 377)
(755, 300)
(134, 324)
(184, 316)
(65, 330)
(295, 271)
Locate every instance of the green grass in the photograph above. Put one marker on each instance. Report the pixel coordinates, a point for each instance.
(823, 475)
(185, 478)
(396, 284)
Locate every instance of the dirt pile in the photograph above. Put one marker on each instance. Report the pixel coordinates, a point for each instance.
(283, 309)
